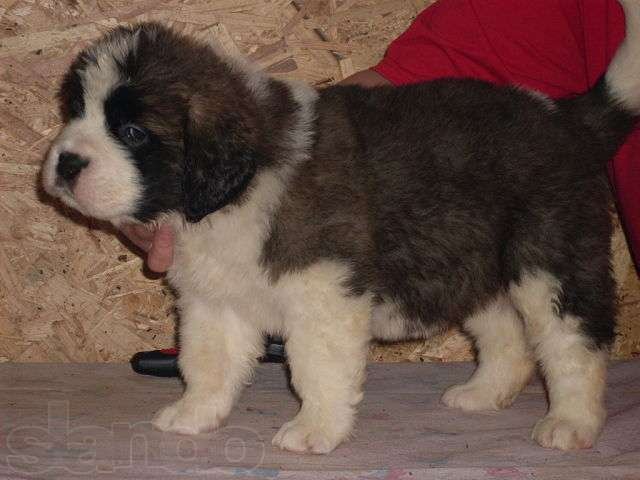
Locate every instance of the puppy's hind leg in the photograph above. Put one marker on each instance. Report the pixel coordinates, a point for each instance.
(505, 362)
(327, 338)
(573, 365)
(218, 350)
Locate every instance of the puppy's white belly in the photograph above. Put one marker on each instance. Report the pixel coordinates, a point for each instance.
(389, 324)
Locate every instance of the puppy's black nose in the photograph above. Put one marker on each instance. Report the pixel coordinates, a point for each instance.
(69, 165)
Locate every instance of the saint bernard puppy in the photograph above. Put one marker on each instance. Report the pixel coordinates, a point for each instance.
(339, 215)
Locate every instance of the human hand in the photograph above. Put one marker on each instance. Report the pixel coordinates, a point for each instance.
(157, 243)
(365, 78)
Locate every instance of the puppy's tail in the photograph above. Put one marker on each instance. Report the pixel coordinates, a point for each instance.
(623, 75)
(610, 109)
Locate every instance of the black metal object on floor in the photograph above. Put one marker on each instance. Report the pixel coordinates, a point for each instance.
(164, 363)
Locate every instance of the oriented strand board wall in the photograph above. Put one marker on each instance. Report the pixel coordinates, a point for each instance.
(69, 289)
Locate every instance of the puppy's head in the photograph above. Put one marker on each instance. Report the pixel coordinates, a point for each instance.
(154, 122)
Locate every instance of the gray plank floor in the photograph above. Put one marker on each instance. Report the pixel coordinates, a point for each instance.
(92, 420)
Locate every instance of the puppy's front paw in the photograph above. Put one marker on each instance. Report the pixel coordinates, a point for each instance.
(471, 397)
(306, 434)
(187, 417)
(566, 434)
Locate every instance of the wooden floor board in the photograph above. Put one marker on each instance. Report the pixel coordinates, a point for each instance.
(92, 420)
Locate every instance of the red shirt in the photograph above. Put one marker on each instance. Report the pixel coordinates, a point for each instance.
(559, 47)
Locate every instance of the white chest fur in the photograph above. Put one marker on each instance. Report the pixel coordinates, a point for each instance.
(219, 260)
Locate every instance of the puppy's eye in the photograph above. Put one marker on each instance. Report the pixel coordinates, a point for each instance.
(132, 135)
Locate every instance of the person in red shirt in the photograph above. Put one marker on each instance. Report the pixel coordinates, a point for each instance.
(558, 47)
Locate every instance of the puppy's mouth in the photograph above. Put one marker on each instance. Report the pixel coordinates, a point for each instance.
(69, 184)
(64, 193)
(62, 190)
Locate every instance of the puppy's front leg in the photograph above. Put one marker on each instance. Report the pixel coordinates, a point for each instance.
(218, 350)
(327, 339)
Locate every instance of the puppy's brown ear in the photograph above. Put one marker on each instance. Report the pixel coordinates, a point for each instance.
(219, 163)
